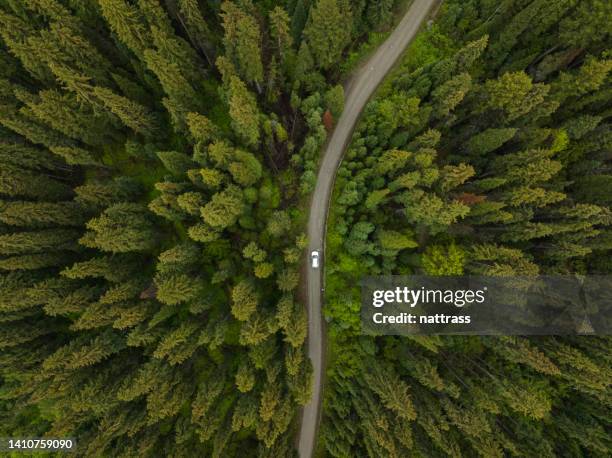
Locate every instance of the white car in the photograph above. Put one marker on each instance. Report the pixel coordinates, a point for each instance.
(314, 259)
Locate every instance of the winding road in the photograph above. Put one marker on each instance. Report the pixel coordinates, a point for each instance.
(361, 87)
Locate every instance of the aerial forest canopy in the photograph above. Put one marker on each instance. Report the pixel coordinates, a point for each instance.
(486, 152)
(155, 158)
(156, 161)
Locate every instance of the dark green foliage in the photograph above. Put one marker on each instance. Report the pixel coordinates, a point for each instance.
(154, 156)
(328, 31)
(146, 224)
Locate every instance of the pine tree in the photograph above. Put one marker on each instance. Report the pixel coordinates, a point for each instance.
(280, 31)
(84, 352)
(246, 170)
(586, 25)
(198, 30)
(132, 114)
(244, 300)
(395, 241)
(296, 328)
(121, 228)
(444, 260)
(489, 140)
(38, 241)
(75, 155)
(224, 208)
(263, 270)
(245, 377)
(242, 41)
(34, 261)
(20, 156)
(176, 288)
(201, 128)
(41, 214)
(128, 23)
(15, 183)
(244, 112)
(453, 176)
(15, 32)
(104, 194)
(113, 268)
(514, 94)
(287, 280)
(253, 252)
(279, 223)
(63, 113)
(328, 31)
(175, 162)
(448, 95)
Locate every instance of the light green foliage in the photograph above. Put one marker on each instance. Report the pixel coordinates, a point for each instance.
(244, 112)
(253, 252)
(452, 176)
(245, 378)
(443, 260)
(201, 128)
(375, 198)
(75, 156)
(287, 280)
(133, 179)
(279, 223)
(246, 170)
(41, 214)
(479, 157)
(514, 94)
(128, 23)
(280, 30)
(224, 208)
(334, 100)
(244, 300)
(431, 211)
(263, 270)
(489, 140)
(191, 202)
(447, 96)
(132, 114)
(121, 228)
(175, 288)
(396, 241)
(242, 42)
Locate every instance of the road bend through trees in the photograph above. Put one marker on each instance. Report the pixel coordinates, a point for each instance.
(361, 88)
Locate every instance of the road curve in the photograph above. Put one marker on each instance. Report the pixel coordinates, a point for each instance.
(362, 86)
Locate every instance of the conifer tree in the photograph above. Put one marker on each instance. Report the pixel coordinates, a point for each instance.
(244, 112)
(197, 28)
(242, 41)
(128, 23)
(244, 300)
(41, 214)
(328, 31)
(132, 114)
(121, 228)
(15, 183)
(224, 208)
(281, 31)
